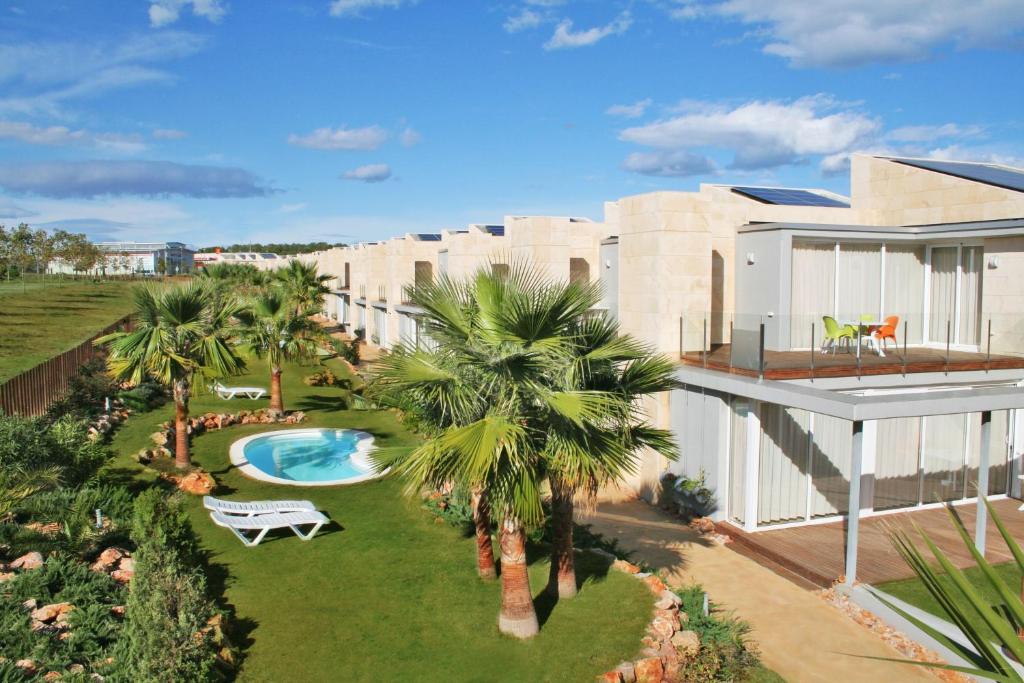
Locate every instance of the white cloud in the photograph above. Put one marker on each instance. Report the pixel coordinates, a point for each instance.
(930, 133)
(565, 38)
(164, 12)
(39, 77)
(410, 137)
(349, 8)
(848, 33)
(958, 153)
(629, 111)
(59, 136)
(526, 19)
(761, 134)
(370, 173)
(368, 138)
(169, 134)
(675, 163)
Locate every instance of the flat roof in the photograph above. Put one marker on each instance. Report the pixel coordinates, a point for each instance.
(1009, 226)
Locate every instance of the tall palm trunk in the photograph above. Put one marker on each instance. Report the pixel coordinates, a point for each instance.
(562, 580)
(276, 397)
(482, 523)
(181, 455)
(518, 617)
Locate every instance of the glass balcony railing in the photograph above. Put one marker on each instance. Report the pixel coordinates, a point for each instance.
(810, 345)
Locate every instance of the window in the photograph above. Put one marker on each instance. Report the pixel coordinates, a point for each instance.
(579, 270)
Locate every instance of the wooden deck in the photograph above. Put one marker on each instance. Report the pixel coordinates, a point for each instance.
(817, 553)
(801, 365)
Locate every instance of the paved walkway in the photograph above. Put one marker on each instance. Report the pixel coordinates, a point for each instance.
(799, 635)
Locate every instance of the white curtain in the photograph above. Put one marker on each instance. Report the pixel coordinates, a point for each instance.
(970, 295)
(904, 289)
(942, 299)
(782, 489)
(998, 454)
(944, 444)
(897, 463)
(813, 291)
(859, 273)
(738, 465)
(831, 453)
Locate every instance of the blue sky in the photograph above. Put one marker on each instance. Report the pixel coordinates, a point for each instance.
(224, 120)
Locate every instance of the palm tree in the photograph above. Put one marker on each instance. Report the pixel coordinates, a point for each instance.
(182, 335)
(586, 451)
(303, 286)
(274, 331)
(489, 384)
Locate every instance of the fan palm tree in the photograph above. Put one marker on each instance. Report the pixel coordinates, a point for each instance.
(303, 285)
(584, 451)
(273, 330)
(491, 386)
(182, 335)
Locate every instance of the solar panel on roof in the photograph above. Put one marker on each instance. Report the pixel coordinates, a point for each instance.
(429, 237)
(990, 174)
(496, 230)
(789, 197)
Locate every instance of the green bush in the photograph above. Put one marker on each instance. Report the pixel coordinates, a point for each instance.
(725, 654)
(86, 392)
(75, 511)
(347, 350)
(166, 635)
(324, 378)
(144, 397)
(35, 443)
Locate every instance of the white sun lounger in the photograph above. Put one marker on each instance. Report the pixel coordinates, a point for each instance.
(227, 393)
(255, 507)
(272, 520)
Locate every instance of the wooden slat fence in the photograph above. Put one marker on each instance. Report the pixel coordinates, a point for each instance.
(31, 393)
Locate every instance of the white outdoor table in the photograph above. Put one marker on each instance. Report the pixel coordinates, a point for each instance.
(857, 324)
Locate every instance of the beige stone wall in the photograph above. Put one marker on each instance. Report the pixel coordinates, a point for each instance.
(1002, 294)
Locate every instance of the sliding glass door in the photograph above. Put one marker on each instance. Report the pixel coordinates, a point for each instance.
(954, 296)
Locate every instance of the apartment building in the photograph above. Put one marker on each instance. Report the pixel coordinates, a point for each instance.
(136, 258)
(258, 260)
(917, 402)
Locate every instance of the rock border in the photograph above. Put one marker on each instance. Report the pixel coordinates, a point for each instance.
(667, 644)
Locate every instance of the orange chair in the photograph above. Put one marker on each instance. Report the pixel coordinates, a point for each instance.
(887, 331)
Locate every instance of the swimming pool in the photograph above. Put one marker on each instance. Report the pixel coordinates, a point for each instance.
(306, 457)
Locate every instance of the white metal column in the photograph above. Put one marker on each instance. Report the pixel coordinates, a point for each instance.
(853, 516)
(981, 520)
(751, 480)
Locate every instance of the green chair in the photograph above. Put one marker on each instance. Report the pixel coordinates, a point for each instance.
(836, 334)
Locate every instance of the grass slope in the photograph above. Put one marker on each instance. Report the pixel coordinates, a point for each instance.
(384, 593)
(41, 320)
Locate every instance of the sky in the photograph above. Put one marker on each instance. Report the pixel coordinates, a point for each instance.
(220, 121)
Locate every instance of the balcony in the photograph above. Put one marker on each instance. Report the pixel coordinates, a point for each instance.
(799, 347)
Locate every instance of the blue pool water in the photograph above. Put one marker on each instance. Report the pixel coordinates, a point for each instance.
(326, 455)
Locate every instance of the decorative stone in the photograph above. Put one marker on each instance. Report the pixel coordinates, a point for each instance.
(662, 628)
(32, 560)
(667, 600)
(127, 564)
(670, 615)
(48, 529)
(687, 643)
(627, 567)
(76, 669)
(656, 585)
(627, 671)
(122, 576)
(610, 677)
(52, 676)
(197, 483)
(30, 604)
(649, 670)
(108, 559)
(26, 665)
(62, 617)
(48, 613)
(6, 576)
(159, 438)
(117, 610)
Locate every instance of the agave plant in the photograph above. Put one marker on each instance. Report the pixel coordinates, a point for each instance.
(978, 618)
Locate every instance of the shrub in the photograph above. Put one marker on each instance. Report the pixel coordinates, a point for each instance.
(347, 350)
(690, 497)
(725, 654)
(35, 443)
(144, 397)
(166, 635)
(86, 392)
(324, 378)
(75, 511)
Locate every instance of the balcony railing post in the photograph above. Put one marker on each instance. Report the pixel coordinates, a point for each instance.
(760, 354)
(704, 343)
(858, 350)
(732, 343)
(812, 351)
(988, 347)
(949, 329)
(681, 323)
(904, 348)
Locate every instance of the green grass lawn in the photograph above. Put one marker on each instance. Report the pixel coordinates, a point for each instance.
(41, 319)
(384, 593)
(915, 593)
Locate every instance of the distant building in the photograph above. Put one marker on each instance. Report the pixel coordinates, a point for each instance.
(261, 260)
(136, 258)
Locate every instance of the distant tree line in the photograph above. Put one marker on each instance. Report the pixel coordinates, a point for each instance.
(288, 249)
(24, 250)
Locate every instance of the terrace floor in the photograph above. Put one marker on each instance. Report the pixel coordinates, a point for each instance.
(812, 364)
(817, 553)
